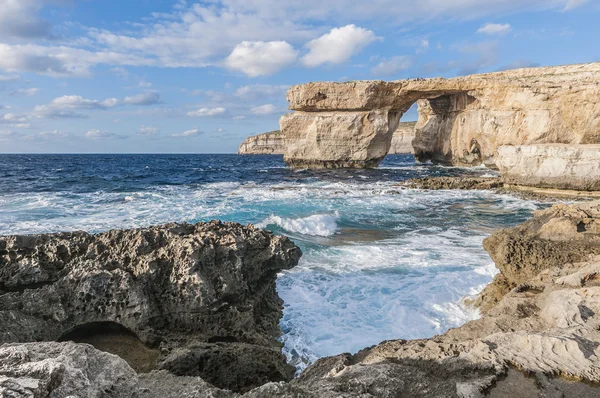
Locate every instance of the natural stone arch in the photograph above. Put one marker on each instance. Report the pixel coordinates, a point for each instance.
(462, 121)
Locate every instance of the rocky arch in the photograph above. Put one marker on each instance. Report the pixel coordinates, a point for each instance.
(462, 121)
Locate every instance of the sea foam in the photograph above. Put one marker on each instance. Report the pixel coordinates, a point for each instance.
(315, 225)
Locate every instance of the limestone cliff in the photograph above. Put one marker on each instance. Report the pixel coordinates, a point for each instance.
(271, 143)
(462, 120)
(560, 166)
(403, 138)
(275, 143)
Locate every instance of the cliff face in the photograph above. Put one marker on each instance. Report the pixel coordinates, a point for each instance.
(272, 143)
(276, 143)
(403, 138)
(539, 335)
(560, 166)
(462, 121)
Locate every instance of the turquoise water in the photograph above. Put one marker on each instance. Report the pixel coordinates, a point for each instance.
(380, 262)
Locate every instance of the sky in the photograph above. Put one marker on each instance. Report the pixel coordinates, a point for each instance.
(176, 76)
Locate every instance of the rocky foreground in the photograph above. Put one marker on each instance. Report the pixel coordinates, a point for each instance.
(201, 293)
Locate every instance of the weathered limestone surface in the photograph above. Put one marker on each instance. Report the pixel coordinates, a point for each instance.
(461, 120)
(561, 166)
(276, 143)
(403, 138)
(202, 295)
(272, 143)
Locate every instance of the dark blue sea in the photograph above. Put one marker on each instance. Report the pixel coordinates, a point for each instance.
(380, 261)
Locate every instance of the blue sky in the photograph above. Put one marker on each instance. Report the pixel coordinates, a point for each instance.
(174, 76)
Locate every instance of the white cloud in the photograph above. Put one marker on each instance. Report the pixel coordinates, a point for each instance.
(484, 55)
(148, 131)
(99, 134)
(27, 92)
(261, 58)
(66, 106)
(62, 60)
(188, 133)
(495, 29)
(149, 98)
(207, 112)
(240, 117)
(267, 109)
(337, 46)
(14, 119)
(144, 84)
(198, 34)
(392, 66)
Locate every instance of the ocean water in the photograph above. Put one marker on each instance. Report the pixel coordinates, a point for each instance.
(380, 262)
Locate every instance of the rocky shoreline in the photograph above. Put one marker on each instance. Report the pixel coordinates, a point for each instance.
(199, 301)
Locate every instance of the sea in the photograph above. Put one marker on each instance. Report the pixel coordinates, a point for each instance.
(380, 261)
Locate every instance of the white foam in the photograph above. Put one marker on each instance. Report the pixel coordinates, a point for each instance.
(315, 225)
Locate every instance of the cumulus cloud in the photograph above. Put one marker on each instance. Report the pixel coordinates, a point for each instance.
(13, 118)
(198, 34)
(267, 109)
(207, 112)
(261, 58)
(495, 29)
(337, 46)
(149, 98)
(188, 133)
(392, 66)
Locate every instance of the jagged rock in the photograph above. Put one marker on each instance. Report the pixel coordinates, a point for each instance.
(271, 143)
(439, 183)
(462, 120)
(38, 370)
(561, 166)
(553, 237)
(172, 286)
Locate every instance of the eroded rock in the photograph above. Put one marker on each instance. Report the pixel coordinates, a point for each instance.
(173, 286)
(561, 166)
(462, 121)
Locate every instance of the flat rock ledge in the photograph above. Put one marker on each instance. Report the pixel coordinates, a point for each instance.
(196, 300)
(539, 336)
